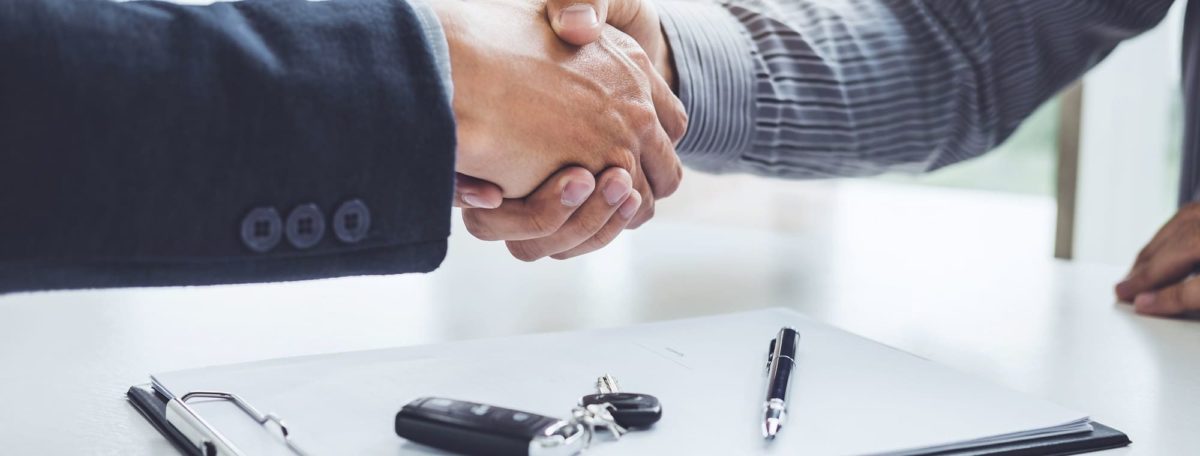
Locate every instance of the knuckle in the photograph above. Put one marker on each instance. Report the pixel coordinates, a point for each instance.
(675, 130)
(477, 226)
(679, 127)
(1192, 300)
(589, 223)
(594, 243)
(524, 251)
(1171, 299)
(645, 118)
(1143, 255)
(624, 158)
(639, 55)
(669, 184)
(597, 242)
(540, 225)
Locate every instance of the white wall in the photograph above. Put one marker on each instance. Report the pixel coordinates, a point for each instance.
(1126, 180)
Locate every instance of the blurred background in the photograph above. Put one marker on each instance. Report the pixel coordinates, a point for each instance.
(1090, 176)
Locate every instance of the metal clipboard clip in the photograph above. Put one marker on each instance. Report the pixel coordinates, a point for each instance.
(205, 438)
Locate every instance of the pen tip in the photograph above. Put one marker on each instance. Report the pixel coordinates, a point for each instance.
(770, 428)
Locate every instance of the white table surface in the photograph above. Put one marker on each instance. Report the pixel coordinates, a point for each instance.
(974, 302)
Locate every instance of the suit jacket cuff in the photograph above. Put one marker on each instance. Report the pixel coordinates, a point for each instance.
(436, 37)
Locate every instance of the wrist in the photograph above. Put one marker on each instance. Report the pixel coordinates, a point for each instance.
(453, 18)
(447, 13)
(435, 36)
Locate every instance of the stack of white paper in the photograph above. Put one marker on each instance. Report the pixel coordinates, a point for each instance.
(850, 395)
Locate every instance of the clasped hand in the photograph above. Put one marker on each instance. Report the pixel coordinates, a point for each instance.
(544, 123)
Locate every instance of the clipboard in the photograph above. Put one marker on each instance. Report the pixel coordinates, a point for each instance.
(189, 432)
(176, 419)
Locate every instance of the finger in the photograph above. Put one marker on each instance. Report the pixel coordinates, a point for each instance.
(616, 186)
(470, 192)
(1161, 239)
(1128, 288)
(609, 232)
(578, 22)
(660, 165)
(536, 215)
(1168, 266)
(671, 114)
(1170, 301)
(1175, 228)
(621, 13)
(645, 209)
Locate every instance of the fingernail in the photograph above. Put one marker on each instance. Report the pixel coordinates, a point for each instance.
(615, 191)
(1144, 300)
(575, 193)
(476, 201)
(578, 15)
(629, 208)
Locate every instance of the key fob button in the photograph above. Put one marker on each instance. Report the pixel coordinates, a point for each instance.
(480, 429)
(437, 403)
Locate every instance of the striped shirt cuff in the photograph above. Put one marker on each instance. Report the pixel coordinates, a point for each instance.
(715, 67)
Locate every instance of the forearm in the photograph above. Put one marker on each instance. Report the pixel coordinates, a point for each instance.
(138, 136)
(859, 87)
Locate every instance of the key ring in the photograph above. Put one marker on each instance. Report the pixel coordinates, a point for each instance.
(596, 415)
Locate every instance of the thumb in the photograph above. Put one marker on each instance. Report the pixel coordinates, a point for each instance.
(577, 21)
(470, 192)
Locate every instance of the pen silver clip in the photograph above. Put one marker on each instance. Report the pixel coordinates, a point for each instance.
(770, 357)
(205, 438)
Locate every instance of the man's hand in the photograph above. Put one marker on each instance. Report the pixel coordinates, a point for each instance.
(579, 22)
(526, 104)
(557, 221)
(1161, 281)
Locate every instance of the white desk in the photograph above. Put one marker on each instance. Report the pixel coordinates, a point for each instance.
(1046, 328)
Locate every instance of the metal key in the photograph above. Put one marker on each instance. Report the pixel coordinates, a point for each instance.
(630, 410)
(594, 416)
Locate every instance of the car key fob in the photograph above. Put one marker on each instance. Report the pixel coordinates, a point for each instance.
(480, 429)
(630, 410)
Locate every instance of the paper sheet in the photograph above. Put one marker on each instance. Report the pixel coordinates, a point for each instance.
(850, 395)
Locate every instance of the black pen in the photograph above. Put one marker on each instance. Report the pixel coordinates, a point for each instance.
(781, 359)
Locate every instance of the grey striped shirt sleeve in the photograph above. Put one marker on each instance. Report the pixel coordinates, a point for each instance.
(830, 88)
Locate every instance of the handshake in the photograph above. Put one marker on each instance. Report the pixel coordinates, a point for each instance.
(566, 126)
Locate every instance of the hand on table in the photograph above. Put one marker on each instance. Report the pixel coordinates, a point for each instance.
(565, 217)
(1161, 281)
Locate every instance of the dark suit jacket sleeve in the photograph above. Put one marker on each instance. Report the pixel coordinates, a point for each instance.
(150, 143)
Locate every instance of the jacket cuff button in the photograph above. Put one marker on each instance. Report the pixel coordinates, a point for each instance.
(262, 229)
(352, 221)
(305, 226)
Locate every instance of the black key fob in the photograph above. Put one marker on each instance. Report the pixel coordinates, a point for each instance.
(630, 410)
(480, 429)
